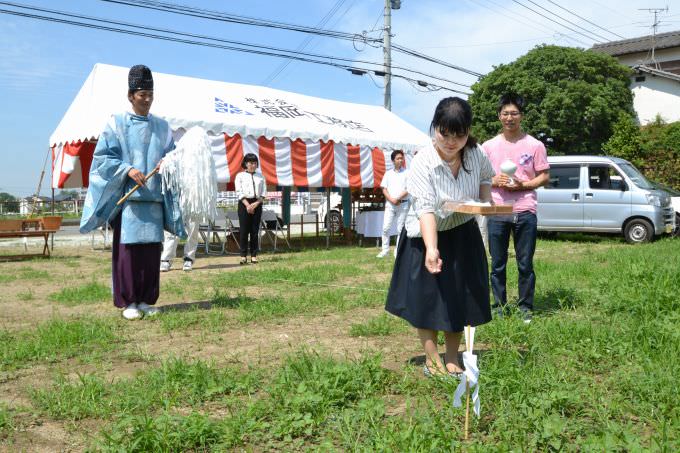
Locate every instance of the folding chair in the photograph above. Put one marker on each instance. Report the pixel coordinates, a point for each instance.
(210, 234)
(272, 226)
(233, 229)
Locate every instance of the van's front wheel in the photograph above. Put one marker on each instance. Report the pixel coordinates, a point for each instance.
(638, 231)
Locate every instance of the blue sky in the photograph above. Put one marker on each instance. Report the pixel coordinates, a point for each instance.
(43, 64)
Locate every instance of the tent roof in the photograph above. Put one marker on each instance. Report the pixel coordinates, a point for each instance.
(221, 107)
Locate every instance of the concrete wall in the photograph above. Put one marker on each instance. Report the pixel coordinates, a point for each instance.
(656, 95)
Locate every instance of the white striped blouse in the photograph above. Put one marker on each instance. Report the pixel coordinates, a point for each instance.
(431, 183)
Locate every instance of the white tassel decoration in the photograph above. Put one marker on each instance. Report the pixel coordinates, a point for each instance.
(189, 171)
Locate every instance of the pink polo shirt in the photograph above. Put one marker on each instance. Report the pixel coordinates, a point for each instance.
(529, 155)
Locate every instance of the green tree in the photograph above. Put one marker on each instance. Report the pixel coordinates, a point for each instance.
(69, 192)
(4, 197)
(573, 96)
(626, 141)
(653, 148)
(660, 153)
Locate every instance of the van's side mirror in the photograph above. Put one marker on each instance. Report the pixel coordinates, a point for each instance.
(624, 186)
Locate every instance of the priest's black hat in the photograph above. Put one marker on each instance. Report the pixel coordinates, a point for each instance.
(140, 78)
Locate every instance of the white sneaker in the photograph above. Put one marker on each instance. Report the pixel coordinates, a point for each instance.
(382, 254)
(188, 265)
(147, 309)
(165, 266)
(132, 312)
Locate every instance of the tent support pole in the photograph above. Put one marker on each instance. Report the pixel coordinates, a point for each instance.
(52, 241)
(347, 213)
(285, 208)
(328, 217)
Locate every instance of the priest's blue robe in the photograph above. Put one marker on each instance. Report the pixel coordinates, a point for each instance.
(132, 141)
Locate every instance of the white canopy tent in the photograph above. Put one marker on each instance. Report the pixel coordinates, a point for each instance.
(301, 140)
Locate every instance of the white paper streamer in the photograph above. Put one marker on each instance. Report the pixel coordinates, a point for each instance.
(470, 375)
(189, 170)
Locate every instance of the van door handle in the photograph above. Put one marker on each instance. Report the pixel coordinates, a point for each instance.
(575, 197)
(589, 195)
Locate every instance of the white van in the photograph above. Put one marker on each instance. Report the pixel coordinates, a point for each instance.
(604, 195)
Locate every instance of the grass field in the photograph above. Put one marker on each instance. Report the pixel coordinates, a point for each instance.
(297, 353)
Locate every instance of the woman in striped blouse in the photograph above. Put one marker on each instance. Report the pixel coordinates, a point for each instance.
(440, 279)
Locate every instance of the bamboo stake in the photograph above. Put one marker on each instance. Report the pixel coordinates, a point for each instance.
(127, 195)
(467, 387)
(37, 192)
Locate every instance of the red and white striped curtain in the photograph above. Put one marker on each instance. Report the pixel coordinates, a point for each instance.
(283, 162)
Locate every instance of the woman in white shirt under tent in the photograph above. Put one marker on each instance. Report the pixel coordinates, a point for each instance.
(250, 188)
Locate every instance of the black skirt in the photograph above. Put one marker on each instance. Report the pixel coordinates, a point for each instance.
(456, 297)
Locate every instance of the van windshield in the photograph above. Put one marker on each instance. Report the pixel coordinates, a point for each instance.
(635, 176)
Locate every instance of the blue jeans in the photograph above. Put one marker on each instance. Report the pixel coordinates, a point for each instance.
(522, 226)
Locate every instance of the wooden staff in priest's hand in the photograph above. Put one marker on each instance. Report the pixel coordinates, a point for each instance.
(189, 171)
(134, 189)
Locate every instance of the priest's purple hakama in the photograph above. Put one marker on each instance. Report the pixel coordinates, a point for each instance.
(135, 271)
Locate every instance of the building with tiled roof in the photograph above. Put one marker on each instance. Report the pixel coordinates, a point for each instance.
(655, 83)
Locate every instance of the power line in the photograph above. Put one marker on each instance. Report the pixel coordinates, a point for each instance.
(226, 41)
(179, 33)
(552, 20)
(568, 21)
(615, 11)
(583, 18)
(533, 23)
(274, 74)
(417, 54)
(259, 50)
(245, 20)
(487, 44)
(185, 10)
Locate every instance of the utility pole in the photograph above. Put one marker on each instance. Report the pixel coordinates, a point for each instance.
(387, 49)
(387, 53)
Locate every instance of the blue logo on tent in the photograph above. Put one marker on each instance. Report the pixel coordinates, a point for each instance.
(225, 107)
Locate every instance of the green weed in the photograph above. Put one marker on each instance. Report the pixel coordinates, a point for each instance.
(28, 273)
(6, 421)
(56, 340)
(164, 433)
(379, 326)
(6, 278)
(175, 383)
(210, 316)
(89, 293)
(309, 388)
(26, 295)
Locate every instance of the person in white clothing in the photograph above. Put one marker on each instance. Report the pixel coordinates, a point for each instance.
(250, 188)
(396, 201)
(170, 248)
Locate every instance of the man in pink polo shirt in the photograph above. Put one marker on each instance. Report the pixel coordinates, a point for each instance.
(532, 171)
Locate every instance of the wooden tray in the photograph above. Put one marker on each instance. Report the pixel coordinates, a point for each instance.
(498, 209)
